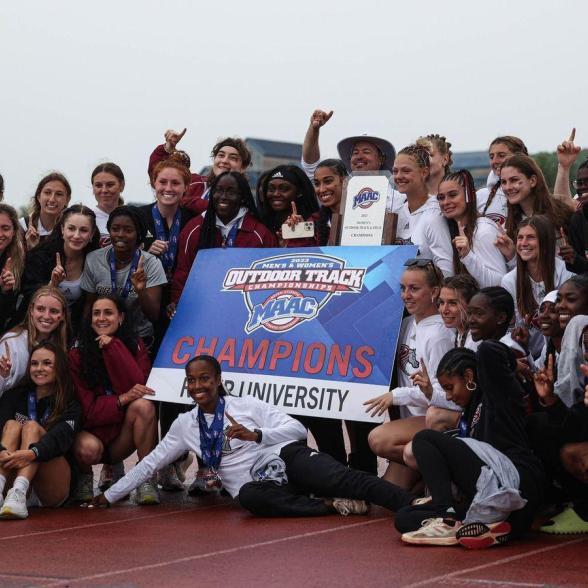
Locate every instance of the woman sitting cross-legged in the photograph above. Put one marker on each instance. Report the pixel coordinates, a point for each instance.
(259, 455)
(109, 367)
(38, 423)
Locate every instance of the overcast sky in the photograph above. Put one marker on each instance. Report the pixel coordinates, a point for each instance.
(85, 82)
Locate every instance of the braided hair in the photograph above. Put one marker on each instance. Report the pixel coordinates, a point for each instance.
(442, 145)
(464, 178)
(420, 152)
(515, 145)
(500, 300)
(456, 361)
(208, 233)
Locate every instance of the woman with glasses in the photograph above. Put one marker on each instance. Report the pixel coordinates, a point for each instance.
(423, 341)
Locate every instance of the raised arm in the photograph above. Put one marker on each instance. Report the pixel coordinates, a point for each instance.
(567, 153)
(311, 153)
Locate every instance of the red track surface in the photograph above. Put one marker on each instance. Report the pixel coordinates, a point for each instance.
(192, 542)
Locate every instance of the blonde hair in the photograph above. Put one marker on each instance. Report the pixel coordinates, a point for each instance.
(60, 335)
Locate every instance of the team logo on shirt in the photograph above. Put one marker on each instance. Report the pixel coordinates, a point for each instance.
(284, 291)
(365, 198)
(406, 357)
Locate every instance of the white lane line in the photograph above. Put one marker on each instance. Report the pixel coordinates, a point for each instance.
(232, 550)
(430, 581)
(116, 522)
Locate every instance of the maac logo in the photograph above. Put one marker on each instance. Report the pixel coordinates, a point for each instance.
(283, 291)
(365, 198)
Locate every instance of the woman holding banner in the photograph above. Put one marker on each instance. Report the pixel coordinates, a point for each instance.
(259, 455)
(423, 341)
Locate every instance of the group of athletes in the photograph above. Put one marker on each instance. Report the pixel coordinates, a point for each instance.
(486, 420)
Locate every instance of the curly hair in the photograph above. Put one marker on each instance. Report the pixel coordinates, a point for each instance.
(93, 371)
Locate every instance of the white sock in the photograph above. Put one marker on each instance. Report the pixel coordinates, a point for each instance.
(21, 483)
(2, 483)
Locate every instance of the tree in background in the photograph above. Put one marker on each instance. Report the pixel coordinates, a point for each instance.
(547, 161)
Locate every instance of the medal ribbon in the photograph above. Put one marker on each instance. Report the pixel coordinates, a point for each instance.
(32, 409)
(211, 438)
(134, 264)
(168, 258)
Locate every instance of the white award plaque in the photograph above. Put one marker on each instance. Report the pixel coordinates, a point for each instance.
(365, 209)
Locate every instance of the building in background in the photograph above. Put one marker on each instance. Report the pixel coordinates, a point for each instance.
(266, 154)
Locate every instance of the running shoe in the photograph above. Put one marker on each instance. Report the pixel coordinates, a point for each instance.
(84, 491)
(423, 500)
(436, 531)
(15, 505)
(347, 506)
(147, 494)
(199, 487)
(110, 475)
(169, 480)
(482, 535)
(567, 522)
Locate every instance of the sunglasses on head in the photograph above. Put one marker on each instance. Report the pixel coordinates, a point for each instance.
(418, 262)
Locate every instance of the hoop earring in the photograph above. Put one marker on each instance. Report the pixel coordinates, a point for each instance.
(471, 386)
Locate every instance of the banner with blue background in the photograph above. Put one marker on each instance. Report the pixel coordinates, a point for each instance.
(312, 331)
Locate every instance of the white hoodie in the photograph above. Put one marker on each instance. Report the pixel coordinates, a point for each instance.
(427, 229)
(432, 341)
(497, 210)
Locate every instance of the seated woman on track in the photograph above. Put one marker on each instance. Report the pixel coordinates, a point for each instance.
(38, 423)
(259, 455)
(491, 463)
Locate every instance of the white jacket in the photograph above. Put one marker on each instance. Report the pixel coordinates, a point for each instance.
(278, 429)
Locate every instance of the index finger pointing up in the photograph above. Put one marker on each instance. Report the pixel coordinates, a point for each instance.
(231, 419)
(57, 259)
(572, 135)
(294, 211)
(7, 351)
(424, 367)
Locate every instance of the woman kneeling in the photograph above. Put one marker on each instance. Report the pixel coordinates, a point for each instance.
(109, 368)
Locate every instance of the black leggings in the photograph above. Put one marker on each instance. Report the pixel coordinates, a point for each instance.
(443, 459)
(318, 473)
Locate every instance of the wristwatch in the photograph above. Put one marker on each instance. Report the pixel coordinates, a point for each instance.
(259, 435)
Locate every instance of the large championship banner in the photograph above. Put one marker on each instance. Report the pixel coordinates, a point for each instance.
(312, 331)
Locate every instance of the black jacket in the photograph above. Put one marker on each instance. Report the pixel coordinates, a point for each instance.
(496, 413)
(38, 269)
(578, 237)
(59, 438)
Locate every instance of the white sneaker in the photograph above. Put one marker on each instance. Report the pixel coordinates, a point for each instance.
(347, 506)
(15, 505)
(436, 531)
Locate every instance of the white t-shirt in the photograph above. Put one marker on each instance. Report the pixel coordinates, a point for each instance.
(277, 428)
(101, 220)
(96, 279)
(43, 232)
